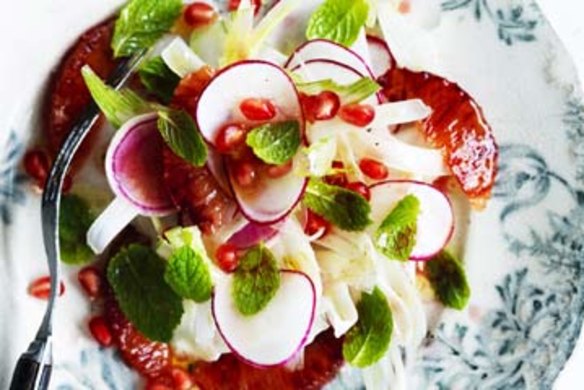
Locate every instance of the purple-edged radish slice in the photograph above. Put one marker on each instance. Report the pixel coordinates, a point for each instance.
(381, 57)
(435, 221)
(220, 100)
(340, 73)
(322, 49)
(134, 171)
(252, 234)
(276, 334)
(270, 200)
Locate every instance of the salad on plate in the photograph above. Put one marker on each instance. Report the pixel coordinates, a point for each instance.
(275, 195)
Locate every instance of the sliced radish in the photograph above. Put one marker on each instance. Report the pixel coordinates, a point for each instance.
(134, 171)
(322, 49)
(216, 165)
(340, 73)
(252, 234)
(220, 100)
(381, 57)
(272, 199)
(436, 219)
(276, 334)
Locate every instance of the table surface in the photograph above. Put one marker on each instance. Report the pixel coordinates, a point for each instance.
(566, 18)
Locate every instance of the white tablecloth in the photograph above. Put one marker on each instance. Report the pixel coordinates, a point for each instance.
(567, 18)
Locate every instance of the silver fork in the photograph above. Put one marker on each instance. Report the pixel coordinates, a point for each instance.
(33, 369)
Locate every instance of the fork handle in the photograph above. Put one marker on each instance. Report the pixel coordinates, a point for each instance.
(27, 372)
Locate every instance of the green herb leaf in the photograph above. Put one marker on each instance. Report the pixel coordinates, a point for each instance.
(141, 23)
(188, 275)
(136, 275)
(255, 281)
(349, 94)
(338, 20)
(118, 106)
(159, 79)
(368, 340)
(448, 280)
(75, 218)
(396, 236)
(275, 143)
(341, 207)
(182, 136)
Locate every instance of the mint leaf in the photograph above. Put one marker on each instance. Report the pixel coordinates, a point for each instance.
(341, 207)
(136, 275)
(159, 79)
(141, 23)
(448, 280)
(188, 275)
(118, 106)
(275, 143)
(368, 340)
(182, 136)
(75, 218)
(338, 20)
(349, 94)
(255, 281)
(396, 236)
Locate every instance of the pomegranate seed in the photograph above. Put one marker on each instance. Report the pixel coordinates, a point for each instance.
(316, 225)
(41, 288)
(321, 107)
(338, 179)
(90, 280)
(199, 14)
(100, 331)
(230, 137)
(357, 114)
(227, 257)
(181, 379)
(360, 188)
(373, 169)
(256, 4)
(36, 165)
(258, 109)
(277, 171)
(245, 173)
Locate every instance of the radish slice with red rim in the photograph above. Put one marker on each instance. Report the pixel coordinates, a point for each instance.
(322, 49)
(134, 171)
(220, 100)
(435, 221)
(276, 334)
(252, 234)
(381, 57)
(270, 200)
(340, 73)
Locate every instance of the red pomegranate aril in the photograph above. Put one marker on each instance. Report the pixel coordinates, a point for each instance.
(245, 173)
(321, 107)
(360, 188)
(316, 225)
(258, 109)
(230, 137)
(277, 171)
(100, 331)
(227, 257)
(256, 4)
(41, 288)
(337, 179)
(199, 14)
(37, 165)
(91, 282)
(373, 169)
(357, 114)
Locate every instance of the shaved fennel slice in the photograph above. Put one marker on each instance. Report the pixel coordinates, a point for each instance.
(110, 223)
(339, 308)
(397, 113)
(180, 58)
